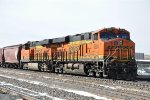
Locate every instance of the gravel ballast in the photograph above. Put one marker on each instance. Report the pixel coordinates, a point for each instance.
(50, 86)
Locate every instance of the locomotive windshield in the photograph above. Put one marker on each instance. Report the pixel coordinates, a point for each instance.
(107, 36)
(110, 35)
(123, 35)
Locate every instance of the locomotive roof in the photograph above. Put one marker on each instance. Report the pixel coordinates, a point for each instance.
(111, 29)
(68, 38)
(75, 37)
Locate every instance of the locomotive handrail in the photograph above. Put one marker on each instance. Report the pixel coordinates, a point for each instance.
(112, 55)
(104, 62)
(107, 58)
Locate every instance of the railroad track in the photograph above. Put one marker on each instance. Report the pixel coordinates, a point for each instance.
(115, 89)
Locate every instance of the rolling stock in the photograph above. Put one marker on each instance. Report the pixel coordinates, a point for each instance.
(108, 52)
(1, 50)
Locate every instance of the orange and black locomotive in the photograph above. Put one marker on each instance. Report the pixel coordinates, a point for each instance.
(108, 52)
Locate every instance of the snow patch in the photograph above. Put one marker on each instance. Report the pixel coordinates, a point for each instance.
(45, 94)
(85, 94)
(25, 74)
(68, 90)
(24, 80)
(111, 87)
(46, 77)
(33, 93)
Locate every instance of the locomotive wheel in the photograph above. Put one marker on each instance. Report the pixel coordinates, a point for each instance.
(20, 66)
(53, 69)
(40, 67)
(16, 66)
(56, 70)
(99, 74)
(25, 66)
(61, 69)
(4, 66)
(92, 73)
(7, 66)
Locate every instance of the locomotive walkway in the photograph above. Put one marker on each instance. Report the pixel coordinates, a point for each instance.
(49, 86)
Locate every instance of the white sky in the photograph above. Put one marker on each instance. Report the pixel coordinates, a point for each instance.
(24, 20)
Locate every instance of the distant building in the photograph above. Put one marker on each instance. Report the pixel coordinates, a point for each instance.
(147, 57)
(139, 56)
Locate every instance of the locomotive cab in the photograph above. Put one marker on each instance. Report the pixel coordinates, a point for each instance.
(114, 43)
(117, 51)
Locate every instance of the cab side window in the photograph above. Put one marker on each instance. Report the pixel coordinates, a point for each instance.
(107, 36)
(95, 36)
(104, 36)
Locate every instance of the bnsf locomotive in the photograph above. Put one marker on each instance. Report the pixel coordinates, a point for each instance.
(103, 53)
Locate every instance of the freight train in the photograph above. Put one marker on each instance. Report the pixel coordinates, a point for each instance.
(107, 52)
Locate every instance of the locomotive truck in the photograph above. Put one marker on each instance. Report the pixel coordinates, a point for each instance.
(107, 52)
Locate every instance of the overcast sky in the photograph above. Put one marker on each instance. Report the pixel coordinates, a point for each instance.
(24, 20)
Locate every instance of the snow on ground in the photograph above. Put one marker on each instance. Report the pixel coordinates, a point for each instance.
(30, 92)
(110, 87)
(84, 93)
(46, 77)
(24, 74)
(24, 80)
(67, 90)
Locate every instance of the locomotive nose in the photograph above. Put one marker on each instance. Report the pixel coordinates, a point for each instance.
(121, 49)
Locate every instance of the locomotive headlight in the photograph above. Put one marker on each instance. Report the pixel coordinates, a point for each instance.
(121, 42)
